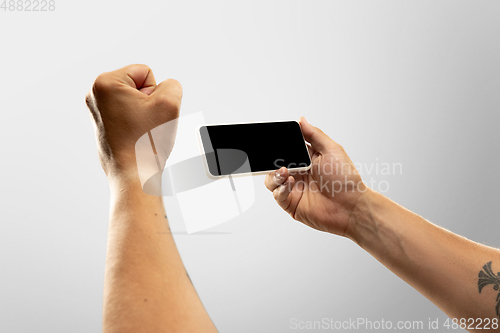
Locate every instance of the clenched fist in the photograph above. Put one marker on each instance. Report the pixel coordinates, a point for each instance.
(127, 104)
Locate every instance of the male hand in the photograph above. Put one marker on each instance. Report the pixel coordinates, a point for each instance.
(125, 104)
(146, 286)
(325, 196)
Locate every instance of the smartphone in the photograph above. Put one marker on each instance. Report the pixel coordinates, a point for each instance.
(253, 148)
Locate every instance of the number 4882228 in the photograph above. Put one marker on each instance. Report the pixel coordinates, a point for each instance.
(28, 5)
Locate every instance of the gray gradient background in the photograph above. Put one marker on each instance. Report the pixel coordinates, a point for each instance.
(411, 82)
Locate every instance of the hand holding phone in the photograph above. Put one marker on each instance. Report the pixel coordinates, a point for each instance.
(325, 196)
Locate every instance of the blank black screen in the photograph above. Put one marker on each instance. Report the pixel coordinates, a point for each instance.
(268, 146)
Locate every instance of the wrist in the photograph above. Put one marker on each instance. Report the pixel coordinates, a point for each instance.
(123, 177)
(115, 160)
(361, 218)
(130, 179)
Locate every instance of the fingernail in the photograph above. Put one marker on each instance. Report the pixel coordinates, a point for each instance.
(280, 172)
(305, 120)
(282, 188)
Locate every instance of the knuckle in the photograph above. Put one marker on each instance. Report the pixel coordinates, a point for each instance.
(103, 84)
(176, 87)
(340, 147)
(176, 83)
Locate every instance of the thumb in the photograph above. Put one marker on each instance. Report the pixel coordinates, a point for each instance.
(316, 137)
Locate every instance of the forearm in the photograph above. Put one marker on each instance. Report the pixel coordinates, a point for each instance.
(147, 288)
(441, 265)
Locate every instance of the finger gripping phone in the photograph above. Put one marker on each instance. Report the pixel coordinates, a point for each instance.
(253, 148)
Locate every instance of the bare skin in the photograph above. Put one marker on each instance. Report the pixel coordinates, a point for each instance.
(441, 265)
(146, 287)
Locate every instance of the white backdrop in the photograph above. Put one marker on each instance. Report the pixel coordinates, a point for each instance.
(414, 83)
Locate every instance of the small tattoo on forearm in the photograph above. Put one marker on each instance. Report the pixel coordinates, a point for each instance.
(486, 277)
